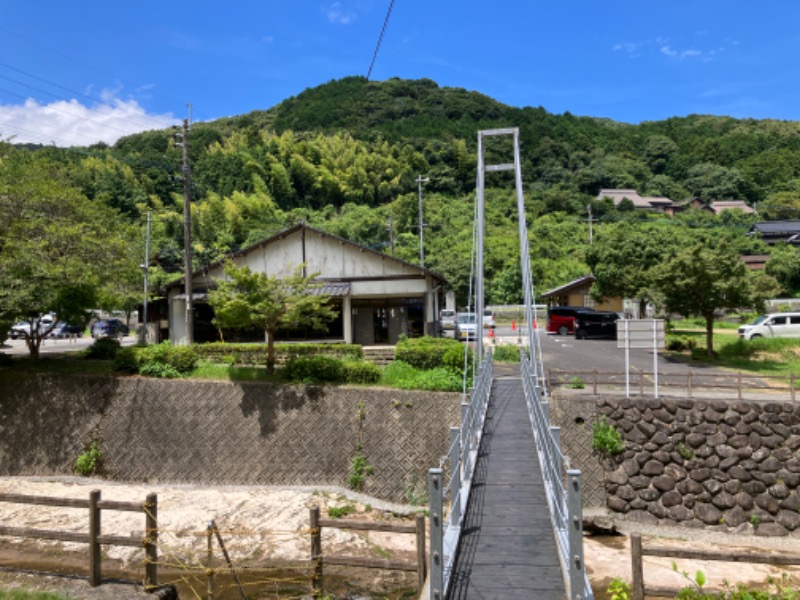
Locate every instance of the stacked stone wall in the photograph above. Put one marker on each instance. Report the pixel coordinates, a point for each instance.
(728, 465)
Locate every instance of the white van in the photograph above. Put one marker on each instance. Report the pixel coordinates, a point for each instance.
(774, 325)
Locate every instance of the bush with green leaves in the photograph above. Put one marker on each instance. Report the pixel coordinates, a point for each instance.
(454, 360)
(126, 360)
(157, 360)
(508, 354)
(103, 349)
(312, 369)
(606, 440)
(361, 372)
(402, 375)
(428, 352)
(88, 463)
(680, 343)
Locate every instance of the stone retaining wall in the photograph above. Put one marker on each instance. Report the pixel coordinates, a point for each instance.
(731, 465)
(221, 433)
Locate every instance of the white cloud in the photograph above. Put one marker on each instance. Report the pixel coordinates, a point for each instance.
(339, 15)
(70, 123)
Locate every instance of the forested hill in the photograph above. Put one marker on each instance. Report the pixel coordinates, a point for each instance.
(345, 156)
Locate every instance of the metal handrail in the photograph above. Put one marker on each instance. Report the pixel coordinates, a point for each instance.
(564, 501)
(447, 518)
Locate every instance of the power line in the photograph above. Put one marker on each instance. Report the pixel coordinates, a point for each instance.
(71, 91)
(84, 64)
(380, 39)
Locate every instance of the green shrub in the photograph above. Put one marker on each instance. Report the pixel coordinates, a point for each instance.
(88, 463)
(103, 349)
(339, 512)
(153, 368)
(311, 369)
(453, 358)
(126, 360)
(441, 380)
(256, 354)
(506, 354)
(427, 352)
(681, 343)
(361, 372)
(606, 440)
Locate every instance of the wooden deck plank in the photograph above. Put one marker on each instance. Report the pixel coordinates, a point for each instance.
(507, 547)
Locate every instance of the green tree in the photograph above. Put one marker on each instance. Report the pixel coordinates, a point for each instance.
(708, 181)
(58, 250)
(701, 280)
(248, 299)
(784, 265)
(623, 257)
(780, 205)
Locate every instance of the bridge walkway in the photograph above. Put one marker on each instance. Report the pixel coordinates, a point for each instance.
(507, 547)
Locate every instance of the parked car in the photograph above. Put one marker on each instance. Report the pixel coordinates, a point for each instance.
(488, 318)
(466, 326)
(109, 328)
(447, 319)
(561, 319)
(22, 329)
(66, 330)
(773, 325)
(596, 324)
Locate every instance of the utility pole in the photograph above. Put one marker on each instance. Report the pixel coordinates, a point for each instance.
(589, 208)
(187, 234)
(420, 181)
(390, 227)
(146, 269)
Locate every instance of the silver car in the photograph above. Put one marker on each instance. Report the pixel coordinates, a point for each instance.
(466, 326)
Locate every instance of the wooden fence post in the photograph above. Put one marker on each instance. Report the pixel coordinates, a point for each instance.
(641, 382)
(95, 558)
(594, 381)
(316, 550)
(210, 560)
(739, 384)
(637, 572)
(791, 385)
(421, 559)
(151, 542)
(689, 384)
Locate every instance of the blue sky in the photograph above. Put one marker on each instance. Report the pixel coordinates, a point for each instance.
(73, 73)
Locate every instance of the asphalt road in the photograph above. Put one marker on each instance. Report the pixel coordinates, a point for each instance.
(19, 347)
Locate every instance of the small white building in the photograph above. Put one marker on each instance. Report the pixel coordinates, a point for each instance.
(379, 297)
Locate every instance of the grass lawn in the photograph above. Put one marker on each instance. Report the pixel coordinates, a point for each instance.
(775, 356)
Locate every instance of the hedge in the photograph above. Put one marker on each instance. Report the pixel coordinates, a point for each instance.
(256, 354)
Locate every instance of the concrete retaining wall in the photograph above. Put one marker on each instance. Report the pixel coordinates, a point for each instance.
(219, 433)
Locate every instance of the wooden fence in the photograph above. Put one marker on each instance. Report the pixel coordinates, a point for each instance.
(321, 559)
(639, 550)
(94, 537)
(689, 383)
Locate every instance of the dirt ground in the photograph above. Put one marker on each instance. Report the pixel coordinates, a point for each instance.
(270, 526)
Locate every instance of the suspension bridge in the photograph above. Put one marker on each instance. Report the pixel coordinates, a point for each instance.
(505, 513)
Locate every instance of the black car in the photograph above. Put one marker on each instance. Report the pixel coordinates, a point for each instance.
(596, 324)
(109, 328)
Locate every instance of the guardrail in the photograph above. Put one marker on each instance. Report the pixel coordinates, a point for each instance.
(445, 529)
(689, 383)
(564, 502)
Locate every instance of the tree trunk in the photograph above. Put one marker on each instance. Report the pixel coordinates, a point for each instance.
(642, 309)
(710, 335)
(33, 347)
